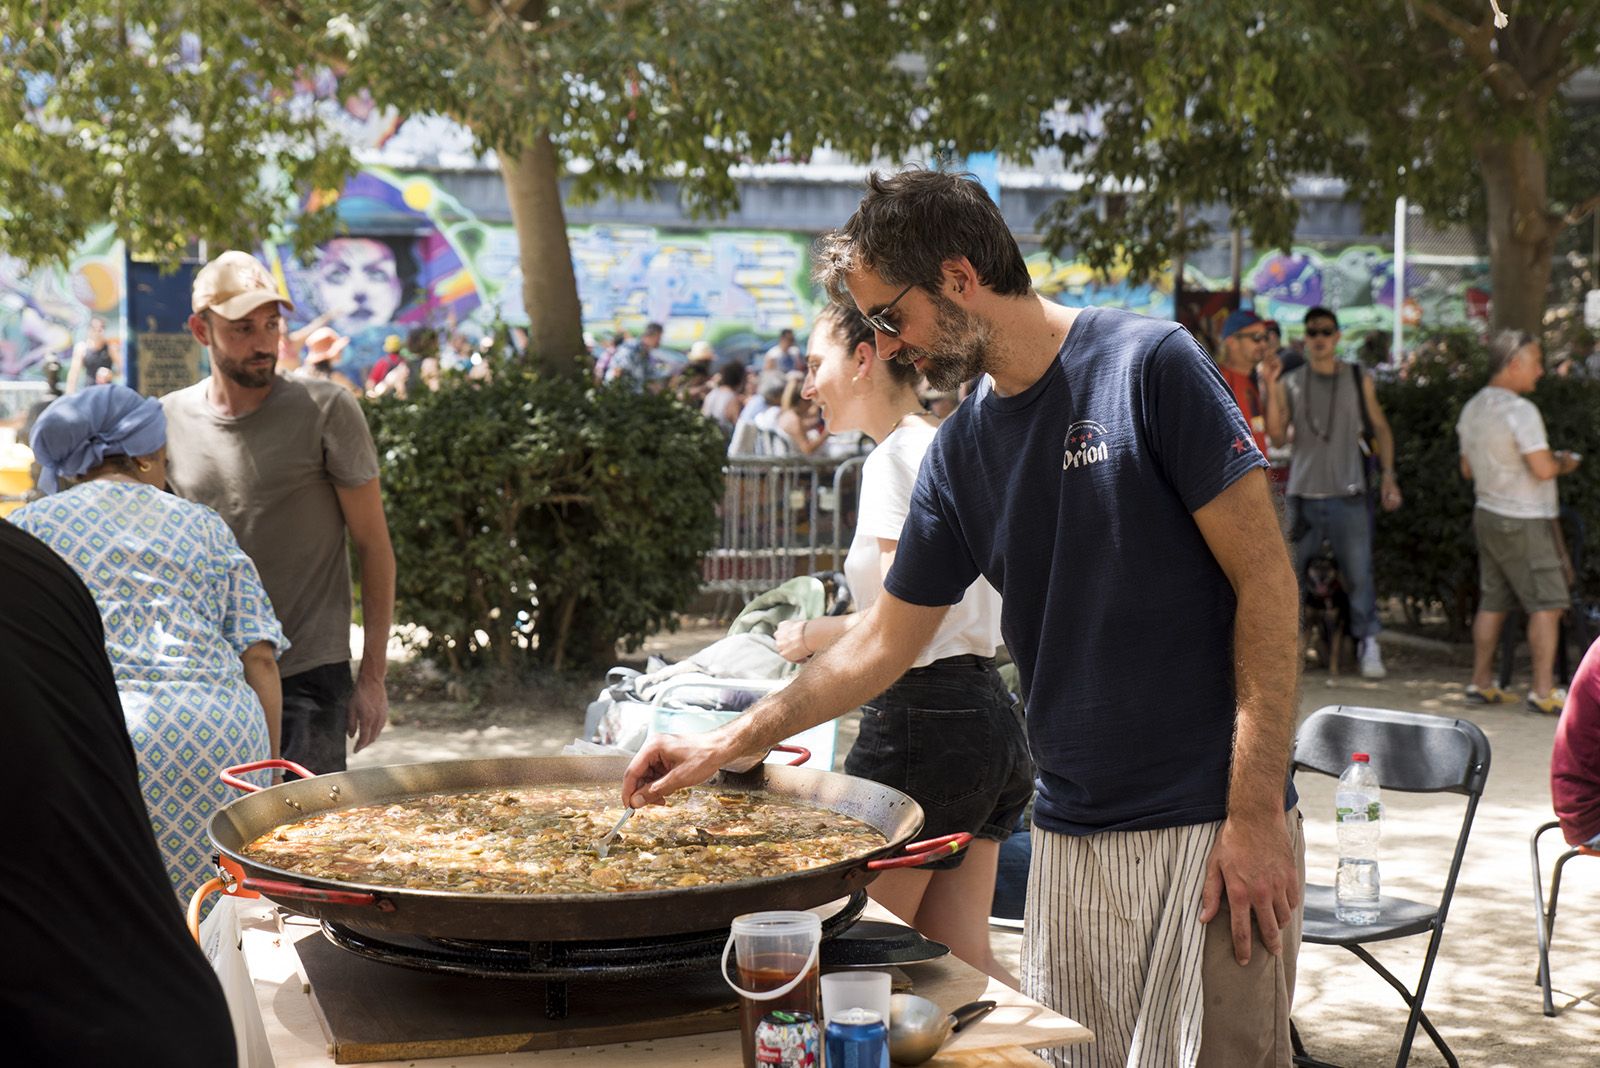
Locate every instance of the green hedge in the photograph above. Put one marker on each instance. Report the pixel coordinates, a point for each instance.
(1424, 553)
(552, 517)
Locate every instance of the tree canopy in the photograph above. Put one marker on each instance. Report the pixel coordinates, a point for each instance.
(168, 120)
(1160, 105)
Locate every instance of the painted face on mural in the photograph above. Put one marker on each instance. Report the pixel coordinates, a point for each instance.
(357, 279)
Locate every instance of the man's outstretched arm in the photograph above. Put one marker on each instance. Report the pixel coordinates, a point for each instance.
(859, 666)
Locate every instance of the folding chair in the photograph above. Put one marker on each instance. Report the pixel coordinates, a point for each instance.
(1412, 753)
(1546, 917)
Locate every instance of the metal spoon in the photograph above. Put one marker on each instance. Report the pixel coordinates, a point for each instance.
(603, 846)
(918, 1027)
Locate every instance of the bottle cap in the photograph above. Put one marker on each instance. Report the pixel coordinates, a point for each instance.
(1360, 758)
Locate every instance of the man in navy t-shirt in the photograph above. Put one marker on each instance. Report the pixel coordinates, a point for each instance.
(1103, 480)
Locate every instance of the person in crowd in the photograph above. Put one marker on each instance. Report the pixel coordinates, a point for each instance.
(1575, 757)
(290, 464)
(695, 382)
(784, 356)
(102, 970)
(940, 403)
(952, 691)
(189, 629)
(429, 371)
(1505, 452)
(1245, 343)
(1330, 405)
(607, 353)
(323, 349)
(396, 383)
(1102, 479)
(723, 403)
(1289, 356)
(394, 356)
(457, 356)
(798, 420)
(95, 355)
(292, 344)
(757, 423)
(633, 363)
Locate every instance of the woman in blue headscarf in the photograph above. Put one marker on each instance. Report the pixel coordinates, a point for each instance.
(189, 630)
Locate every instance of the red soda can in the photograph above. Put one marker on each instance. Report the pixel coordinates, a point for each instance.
(786, 1039)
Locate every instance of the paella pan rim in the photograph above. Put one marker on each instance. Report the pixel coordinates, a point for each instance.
(470, 913)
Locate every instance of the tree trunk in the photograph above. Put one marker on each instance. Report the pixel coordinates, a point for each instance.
(549, 287)
(1521, 233)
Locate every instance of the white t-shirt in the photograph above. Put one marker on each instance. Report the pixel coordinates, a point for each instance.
(971, 627)
(1497, 429)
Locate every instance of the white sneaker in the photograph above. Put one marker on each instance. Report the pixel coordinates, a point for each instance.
(1371, 659)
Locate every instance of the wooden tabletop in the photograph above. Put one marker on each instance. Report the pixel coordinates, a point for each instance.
(1001, 1040)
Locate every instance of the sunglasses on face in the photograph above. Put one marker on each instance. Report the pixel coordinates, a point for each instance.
(1254, 339)
(880, 321)
(1320, 331)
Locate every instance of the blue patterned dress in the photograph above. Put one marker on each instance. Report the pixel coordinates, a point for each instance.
(181, 601)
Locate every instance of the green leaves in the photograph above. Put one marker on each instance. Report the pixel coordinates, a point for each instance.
(164, 119)
(537, 519)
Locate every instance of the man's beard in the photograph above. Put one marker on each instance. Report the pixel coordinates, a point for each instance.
(237, 371)
(960, 349)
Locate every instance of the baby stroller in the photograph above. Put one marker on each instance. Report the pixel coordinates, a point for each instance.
(721, 681)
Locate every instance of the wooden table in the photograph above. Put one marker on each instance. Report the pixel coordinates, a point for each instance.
(1001, 1040)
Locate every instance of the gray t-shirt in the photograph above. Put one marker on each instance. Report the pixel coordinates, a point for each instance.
(1325, 411)
(1497, 430)
(271, 474)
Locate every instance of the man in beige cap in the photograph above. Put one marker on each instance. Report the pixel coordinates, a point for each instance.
(290, 464)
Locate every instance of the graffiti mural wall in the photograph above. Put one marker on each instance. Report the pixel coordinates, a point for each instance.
(1357, 282)
(43, 313)
(413, 256)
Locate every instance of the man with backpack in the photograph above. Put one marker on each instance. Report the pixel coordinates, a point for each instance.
(1340, 435)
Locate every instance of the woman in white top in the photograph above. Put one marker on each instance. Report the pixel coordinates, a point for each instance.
(948, 732)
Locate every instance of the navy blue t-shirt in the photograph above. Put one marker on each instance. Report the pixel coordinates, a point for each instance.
(1074, 498)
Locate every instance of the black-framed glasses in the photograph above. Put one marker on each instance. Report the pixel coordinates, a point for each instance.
(1255, 338)
(880, 321)
(1320, 331)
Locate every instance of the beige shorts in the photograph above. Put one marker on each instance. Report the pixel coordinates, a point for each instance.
(1113, 939)
(1518, 564)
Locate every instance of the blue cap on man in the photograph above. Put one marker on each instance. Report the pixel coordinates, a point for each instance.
(1237, 321)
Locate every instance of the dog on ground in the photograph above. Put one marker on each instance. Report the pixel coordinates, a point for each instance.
(1324, 615)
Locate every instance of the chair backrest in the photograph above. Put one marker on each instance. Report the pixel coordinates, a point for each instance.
(1411, 751)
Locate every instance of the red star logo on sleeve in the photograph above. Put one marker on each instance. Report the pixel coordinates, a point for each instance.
(1238, 445)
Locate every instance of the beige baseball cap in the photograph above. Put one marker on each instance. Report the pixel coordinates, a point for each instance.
(235, 284)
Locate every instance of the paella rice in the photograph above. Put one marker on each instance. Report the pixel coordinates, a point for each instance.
(540, 840)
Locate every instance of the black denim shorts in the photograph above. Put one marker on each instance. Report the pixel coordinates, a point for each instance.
(951, 737)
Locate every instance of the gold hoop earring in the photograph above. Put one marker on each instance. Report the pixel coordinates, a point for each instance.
(142, 466)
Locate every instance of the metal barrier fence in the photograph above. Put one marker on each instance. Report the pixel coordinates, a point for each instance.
(782, 517)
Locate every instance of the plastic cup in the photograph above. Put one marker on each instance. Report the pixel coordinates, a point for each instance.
(776, 955)
(855, 990)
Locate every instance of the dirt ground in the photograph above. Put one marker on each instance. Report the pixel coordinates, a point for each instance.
(1483, 996)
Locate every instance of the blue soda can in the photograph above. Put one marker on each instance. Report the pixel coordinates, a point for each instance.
(857, 1038)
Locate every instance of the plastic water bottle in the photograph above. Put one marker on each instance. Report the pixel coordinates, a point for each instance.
(1359, 810)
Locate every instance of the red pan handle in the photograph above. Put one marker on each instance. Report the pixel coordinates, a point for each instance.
(294, 891)
(805, 754)
(231, 775)
(919, 853)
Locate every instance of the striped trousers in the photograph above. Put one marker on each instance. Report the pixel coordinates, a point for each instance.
(1112, 938)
